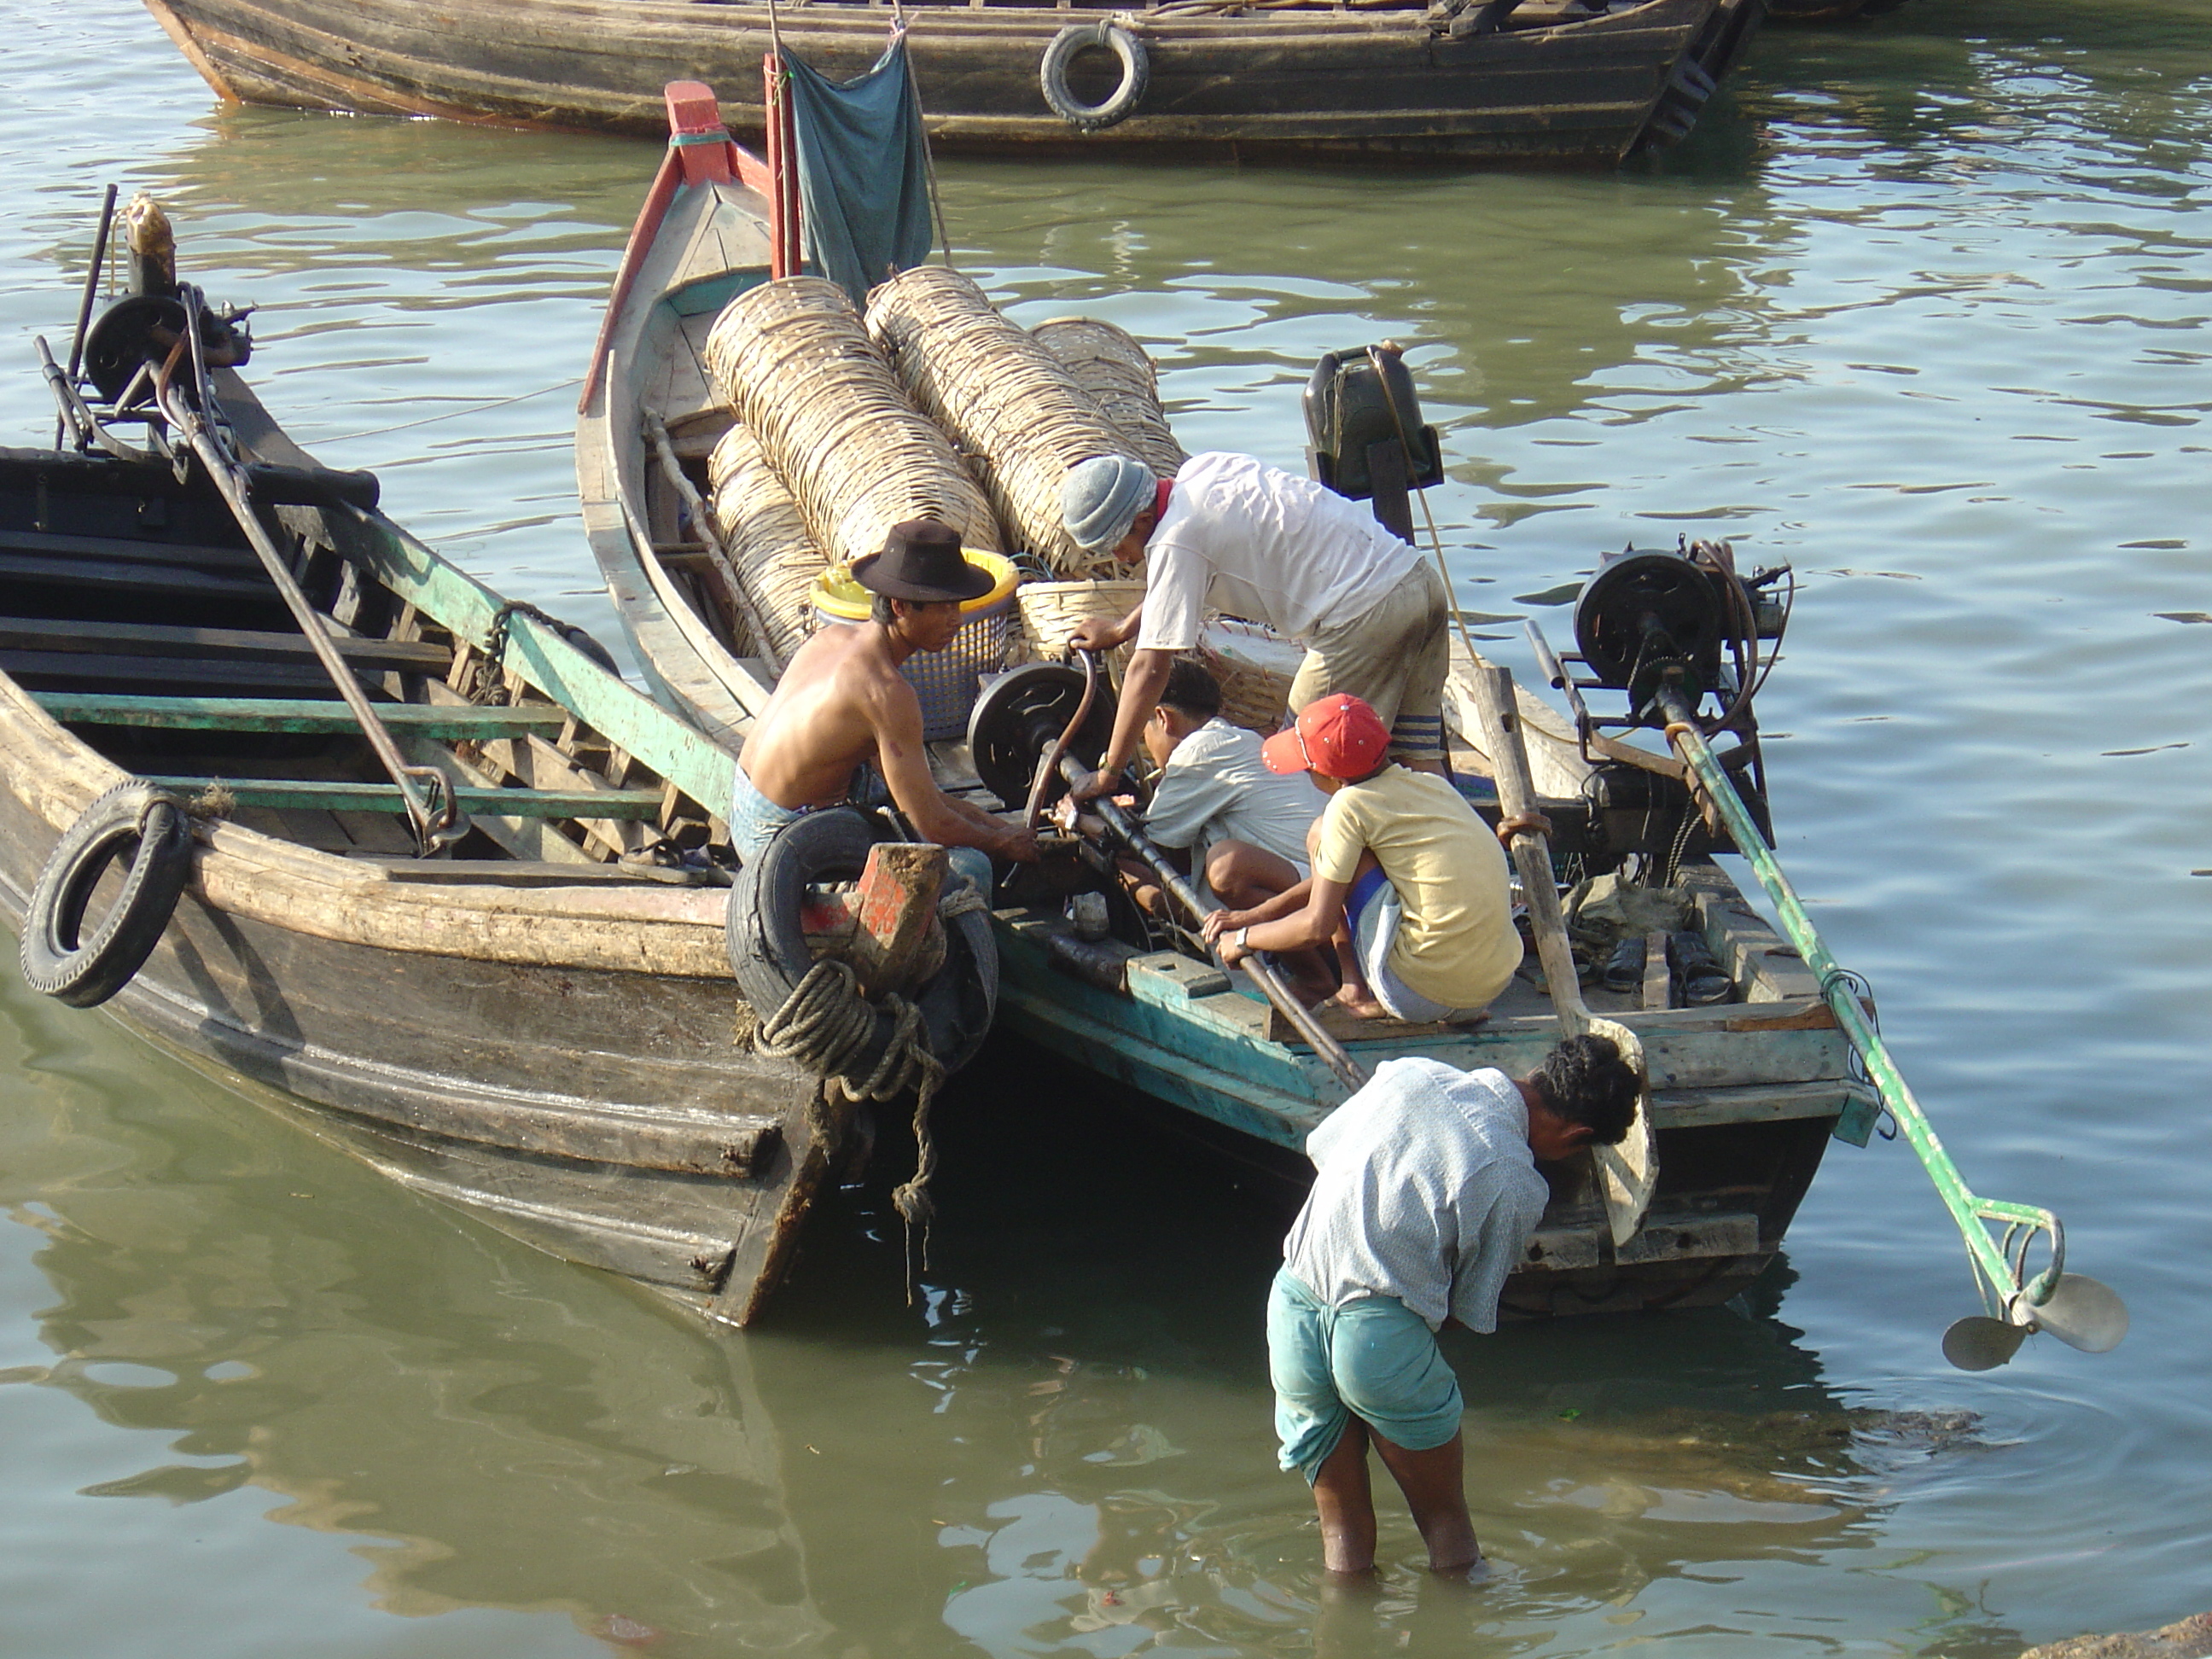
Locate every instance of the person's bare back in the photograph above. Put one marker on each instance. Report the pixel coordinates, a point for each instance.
(842, 700)
(829, 714)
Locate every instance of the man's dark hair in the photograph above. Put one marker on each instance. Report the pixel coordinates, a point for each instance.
(1191, 690)
(1584, 1080)
(880, 609)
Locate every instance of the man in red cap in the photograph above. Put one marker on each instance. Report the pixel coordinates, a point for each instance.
(1406, 879)
(842, 700)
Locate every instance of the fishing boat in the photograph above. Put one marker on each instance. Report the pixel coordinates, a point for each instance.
(311, 807)
(1746, 1093)
(1578, 81)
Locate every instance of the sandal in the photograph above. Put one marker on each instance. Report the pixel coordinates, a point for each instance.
(1700, 979)
(1623, 969)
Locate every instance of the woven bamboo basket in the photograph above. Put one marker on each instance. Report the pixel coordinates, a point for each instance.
(1255, 667)
(1020, 417)
(798, 369)
(1052, 610)
(1108, 363)
(772, 555)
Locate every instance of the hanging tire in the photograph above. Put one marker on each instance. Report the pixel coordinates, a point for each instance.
(767, 944)
(768, 952)
(58, 958)
(1136, 75)
(962, 997)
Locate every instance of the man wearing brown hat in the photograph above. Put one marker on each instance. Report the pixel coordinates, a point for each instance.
(842, 700)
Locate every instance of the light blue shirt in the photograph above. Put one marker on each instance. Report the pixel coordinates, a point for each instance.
(1423, 1190)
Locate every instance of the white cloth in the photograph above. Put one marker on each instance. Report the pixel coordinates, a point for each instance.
(1425, 1189)
(1256, 542)
(1215, 787)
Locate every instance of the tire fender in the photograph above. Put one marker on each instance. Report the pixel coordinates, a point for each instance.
(84, 970)
(768, 954)
(1136, 75)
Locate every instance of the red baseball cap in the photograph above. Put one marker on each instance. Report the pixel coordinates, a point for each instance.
(1338, 737)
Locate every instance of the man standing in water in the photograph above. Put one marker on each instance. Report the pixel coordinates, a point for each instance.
(842, 700)
(1424, 1196)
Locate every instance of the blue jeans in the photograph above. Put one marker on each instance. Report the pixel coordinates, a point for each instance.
(754, 819)
(1372, 1358)
(1373, 910)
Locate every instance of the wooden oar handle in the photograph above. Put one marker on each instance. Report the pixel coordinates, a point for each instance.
(1532, 854)
(1333, 1053)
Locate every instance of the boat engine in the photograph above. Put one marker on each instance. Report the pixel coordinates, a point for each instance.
(1365, 437)
(1685, 622)
(1648, 618)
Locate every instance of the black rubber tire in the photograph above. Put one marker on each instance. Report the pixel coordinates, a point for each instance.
(84, 972)
(1136, 75)
(961, 1000)
(591, 647)
(768, 947)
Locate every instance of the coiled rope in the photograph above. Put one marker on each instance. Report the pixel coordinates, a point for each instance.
(825, 1024)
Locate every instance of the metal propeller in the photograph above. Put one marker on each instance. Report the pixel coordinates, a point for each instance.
(2081, 1311)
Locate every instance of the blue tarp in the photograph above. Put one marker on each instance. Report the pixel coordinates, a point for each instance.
(863, 171)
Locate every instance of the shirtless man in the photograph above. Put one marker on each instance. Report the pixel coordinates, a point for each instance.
(842, 700)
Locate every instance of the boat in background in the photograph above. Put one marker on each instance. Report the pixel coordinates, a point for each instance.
(1550, 81)
(1746, 1094)
(498, 971)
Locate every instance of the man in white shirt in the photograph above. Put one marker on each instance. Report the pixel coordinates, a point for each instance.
(1233, 534)
(1425, 1193)
(1243, 824)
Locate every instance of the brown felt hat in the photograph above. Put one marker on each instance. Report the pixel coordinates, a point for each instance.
(921, 561)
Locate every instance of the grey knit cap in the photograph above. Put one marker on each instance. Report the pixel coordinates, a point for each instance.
(1100, 499)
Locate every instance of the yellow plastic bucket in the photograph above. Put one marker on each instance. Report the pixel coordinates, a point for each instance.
(944, 681)
(838, 597)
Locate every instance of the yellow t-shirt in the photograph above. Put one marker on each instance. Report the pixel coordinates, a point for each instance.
(1457, 945)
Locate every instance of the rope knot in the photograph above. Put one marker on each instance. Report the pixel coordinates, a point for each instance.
(825, 1025)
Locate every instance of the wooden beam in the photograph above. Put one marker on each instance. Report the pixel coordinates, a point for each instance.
(294, 714)
(385, 797)
(114, 574)
(44, 670)
(239, 644)
(129, 549)
(894, 904)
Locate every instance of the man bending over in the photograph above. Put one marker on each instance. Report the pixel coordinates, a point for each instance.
(842, 700)
(1425, 1194)
(1256, 542)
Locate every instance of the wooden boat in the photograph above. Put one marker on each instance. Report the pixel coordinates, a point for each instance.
(1557, 81)
(1746, 1094)
(1828, 12)
(535, 1022)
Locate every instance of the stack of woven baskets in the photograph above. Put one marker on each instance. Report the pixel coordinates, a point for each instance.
(934, 406)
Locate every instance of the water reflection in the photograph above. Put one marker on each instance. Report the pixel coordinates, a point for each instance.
(1066, 1449)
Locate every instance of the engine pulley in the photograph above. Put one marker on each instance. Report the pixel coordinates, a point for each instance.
(1020, 714)
(1646, 612)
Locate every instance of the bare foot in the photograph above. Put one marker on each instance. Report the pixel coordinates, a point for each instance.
(1360, 1004)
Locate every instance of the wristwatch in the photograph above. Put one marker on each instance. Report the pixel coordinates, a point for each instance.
(1240, 941)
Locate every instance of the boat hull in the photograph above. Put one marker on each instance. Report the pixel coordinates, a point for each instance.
(550, 1045)
(1375, 84)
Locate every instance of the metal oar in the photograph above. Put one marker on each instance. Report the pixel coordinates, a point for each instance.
(425, 790)
(1626, 1173)
(1349, 1071)
(2079, 1311)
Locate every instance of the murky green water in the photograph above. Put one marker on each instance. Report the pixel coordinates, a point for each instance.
(1924, 307)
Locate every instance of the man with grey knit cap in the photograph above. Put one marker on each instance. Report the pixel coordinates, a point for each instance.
(1230, 533)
